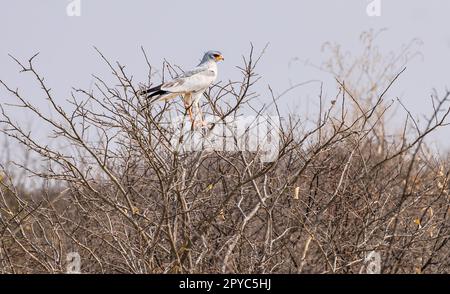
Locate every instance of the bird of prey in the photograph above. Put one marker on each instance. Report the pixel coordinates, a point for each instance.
(190, 86)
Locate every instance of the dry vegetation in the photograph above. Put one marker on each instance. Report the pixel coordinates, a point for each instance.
(130, 202)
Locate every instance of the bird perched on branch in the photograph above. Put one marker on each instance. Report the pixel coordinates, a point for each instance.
(190, 86)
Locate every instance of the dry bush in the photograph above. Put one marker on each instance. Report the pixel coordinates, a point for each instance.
(128, 201)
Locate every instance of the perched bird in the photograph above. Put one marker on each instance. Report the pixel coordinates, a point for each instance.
(190, 86)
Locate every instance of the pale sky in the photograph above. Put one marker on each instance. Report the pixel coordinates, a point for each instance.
(181, 31)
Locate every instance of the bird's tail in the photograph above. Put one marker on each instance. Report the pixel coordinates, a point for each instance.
(154, 94)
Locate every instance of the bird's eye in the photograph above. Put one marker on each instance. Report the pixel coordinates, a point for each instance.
(216, 55)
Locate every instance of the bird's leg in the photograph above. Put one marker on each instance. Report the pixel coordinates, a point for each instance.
(198, 111)
(188, 108)
(191, 116)
(187, 99)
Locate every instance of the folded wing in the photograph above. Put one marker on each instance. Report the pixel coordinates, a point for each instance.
(192, 81)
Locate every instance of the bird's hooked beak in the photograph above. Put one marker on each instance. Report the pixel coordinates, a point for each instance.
(219, 57)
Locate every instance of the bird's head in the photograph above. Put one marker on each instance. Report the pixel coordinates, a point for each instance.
(212, 56)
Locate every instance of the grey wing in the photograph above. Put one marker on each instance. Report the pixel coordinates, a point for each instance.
(190, 81)
(192, 72)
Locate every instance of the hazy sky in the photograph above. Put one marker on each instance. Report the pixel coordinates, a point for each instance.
(181, 31)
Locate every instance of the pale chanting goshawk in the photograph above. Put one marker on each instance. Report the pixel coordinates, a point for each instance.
(190, 86)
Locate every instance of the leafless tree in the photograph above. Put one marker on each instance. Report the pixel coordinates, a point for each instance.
(129, 199)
